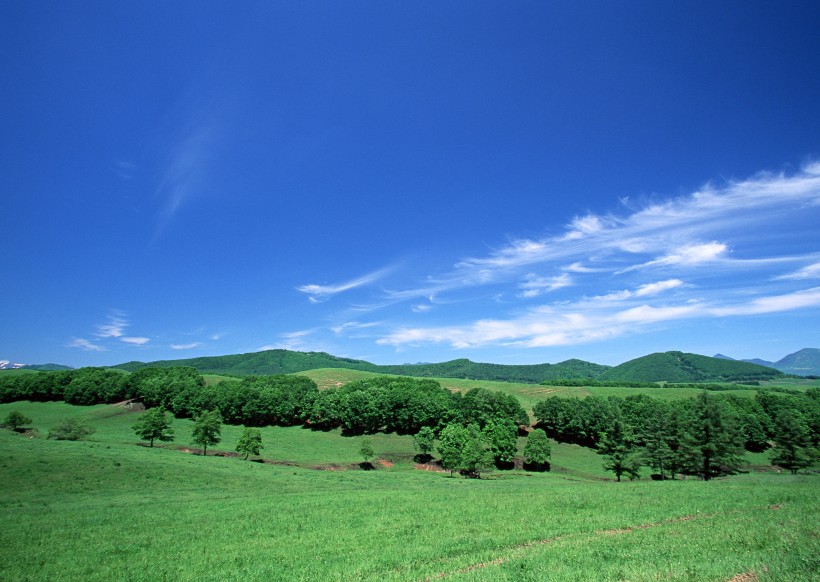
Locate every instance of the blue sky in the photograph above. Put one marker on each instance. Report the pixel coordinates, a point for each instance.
(511, 182)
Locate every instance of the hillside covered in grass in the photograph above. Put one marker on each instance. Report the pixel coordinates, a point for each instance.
(289, 362)
(106, 509)
(683, 367)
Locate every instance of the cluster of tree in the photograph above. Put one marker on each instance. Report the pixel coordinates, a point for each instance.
(470, 450)
(253, 401)
(405, 405)
(82, 386)
(629, 384)
(703, 436)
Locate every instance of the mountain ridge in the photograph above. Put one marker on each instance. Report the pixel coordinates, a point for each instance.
(803, 362)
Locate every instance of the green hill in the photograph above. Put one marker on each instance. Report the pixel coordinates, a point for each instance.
(289, 362)
(466, 369)
(258, 363)
(683, 367)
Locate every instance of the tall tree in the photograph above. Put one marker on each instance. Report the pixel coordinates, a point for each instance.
(618, 448)
(502, 439)
(477, 454)
(793, 450)
(154, 424)
(716, 441)
(207, 429)
(450, 444)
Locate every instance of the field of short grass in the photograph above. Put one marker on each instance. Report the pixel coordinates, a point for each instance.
(108, 509)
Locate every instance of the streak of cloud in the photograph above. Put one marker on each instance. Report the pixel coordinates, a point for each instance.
(319, 293)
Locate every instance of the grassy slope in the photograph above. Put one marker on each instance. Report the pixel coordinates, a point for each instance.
(289, 362)
(683, 367)
(110, 510)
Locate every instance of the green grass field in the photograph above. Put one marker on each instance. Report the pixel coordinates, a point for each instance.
(107, 509)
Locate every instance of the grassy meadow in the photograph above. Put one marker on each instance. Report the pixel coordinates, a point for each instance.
(108, 509)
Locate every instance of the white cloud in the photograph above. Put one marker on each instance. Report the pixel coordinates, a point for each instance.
(136, 341)
(774, 304)
(318, 293)
(687, 256)
(808, 272)
(680, 233)
(658, 287)
(535, 286)
(189, 346)
(115, 327)
(571, 324)
(84, 344)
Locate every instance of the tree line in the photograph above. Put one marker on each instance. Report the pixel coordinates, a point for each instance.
(476, 430)
(704, 436)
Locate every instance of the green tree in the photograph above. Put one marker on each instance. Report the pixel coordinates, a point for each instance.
(16, 420)
(366, 450)
(538, 449)
(450, 444)
(71, 429)
(424, 442)
(618, 448)
(793, 448)
(715, 443)
(250, 443)
(502, 439)
(476, 455)
(154, 424)
(657, 435)
(207, 429)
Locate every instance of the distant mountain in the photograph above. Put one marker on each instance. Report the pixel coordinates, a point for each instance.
(289, 362)
(6, 365)
(760, 362)
(805, 362)
(683, 367)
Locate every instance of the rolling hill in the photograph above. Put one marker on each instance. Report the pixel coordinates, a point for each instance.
(683, 367)
(289, 362)
(668, 366)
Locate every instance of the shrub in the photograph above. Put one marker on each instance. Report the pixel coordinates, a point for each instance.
(71, 429)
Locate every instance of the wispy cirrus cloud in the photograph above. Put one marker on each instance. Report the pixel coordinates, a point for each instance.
(808, 272)
(114, 327)
(534, 286)
(581, 323)
(188, 346)
(685, 232)
(319, 293)
(84, 344)
(109, 333)
(720, 247)
(185, 172)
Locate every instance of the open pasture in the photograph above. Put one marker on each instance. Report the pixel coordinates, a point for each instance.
(108, 509)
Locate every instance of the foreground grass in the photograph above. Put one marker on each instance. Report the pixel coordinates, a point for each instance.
(107, 509)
